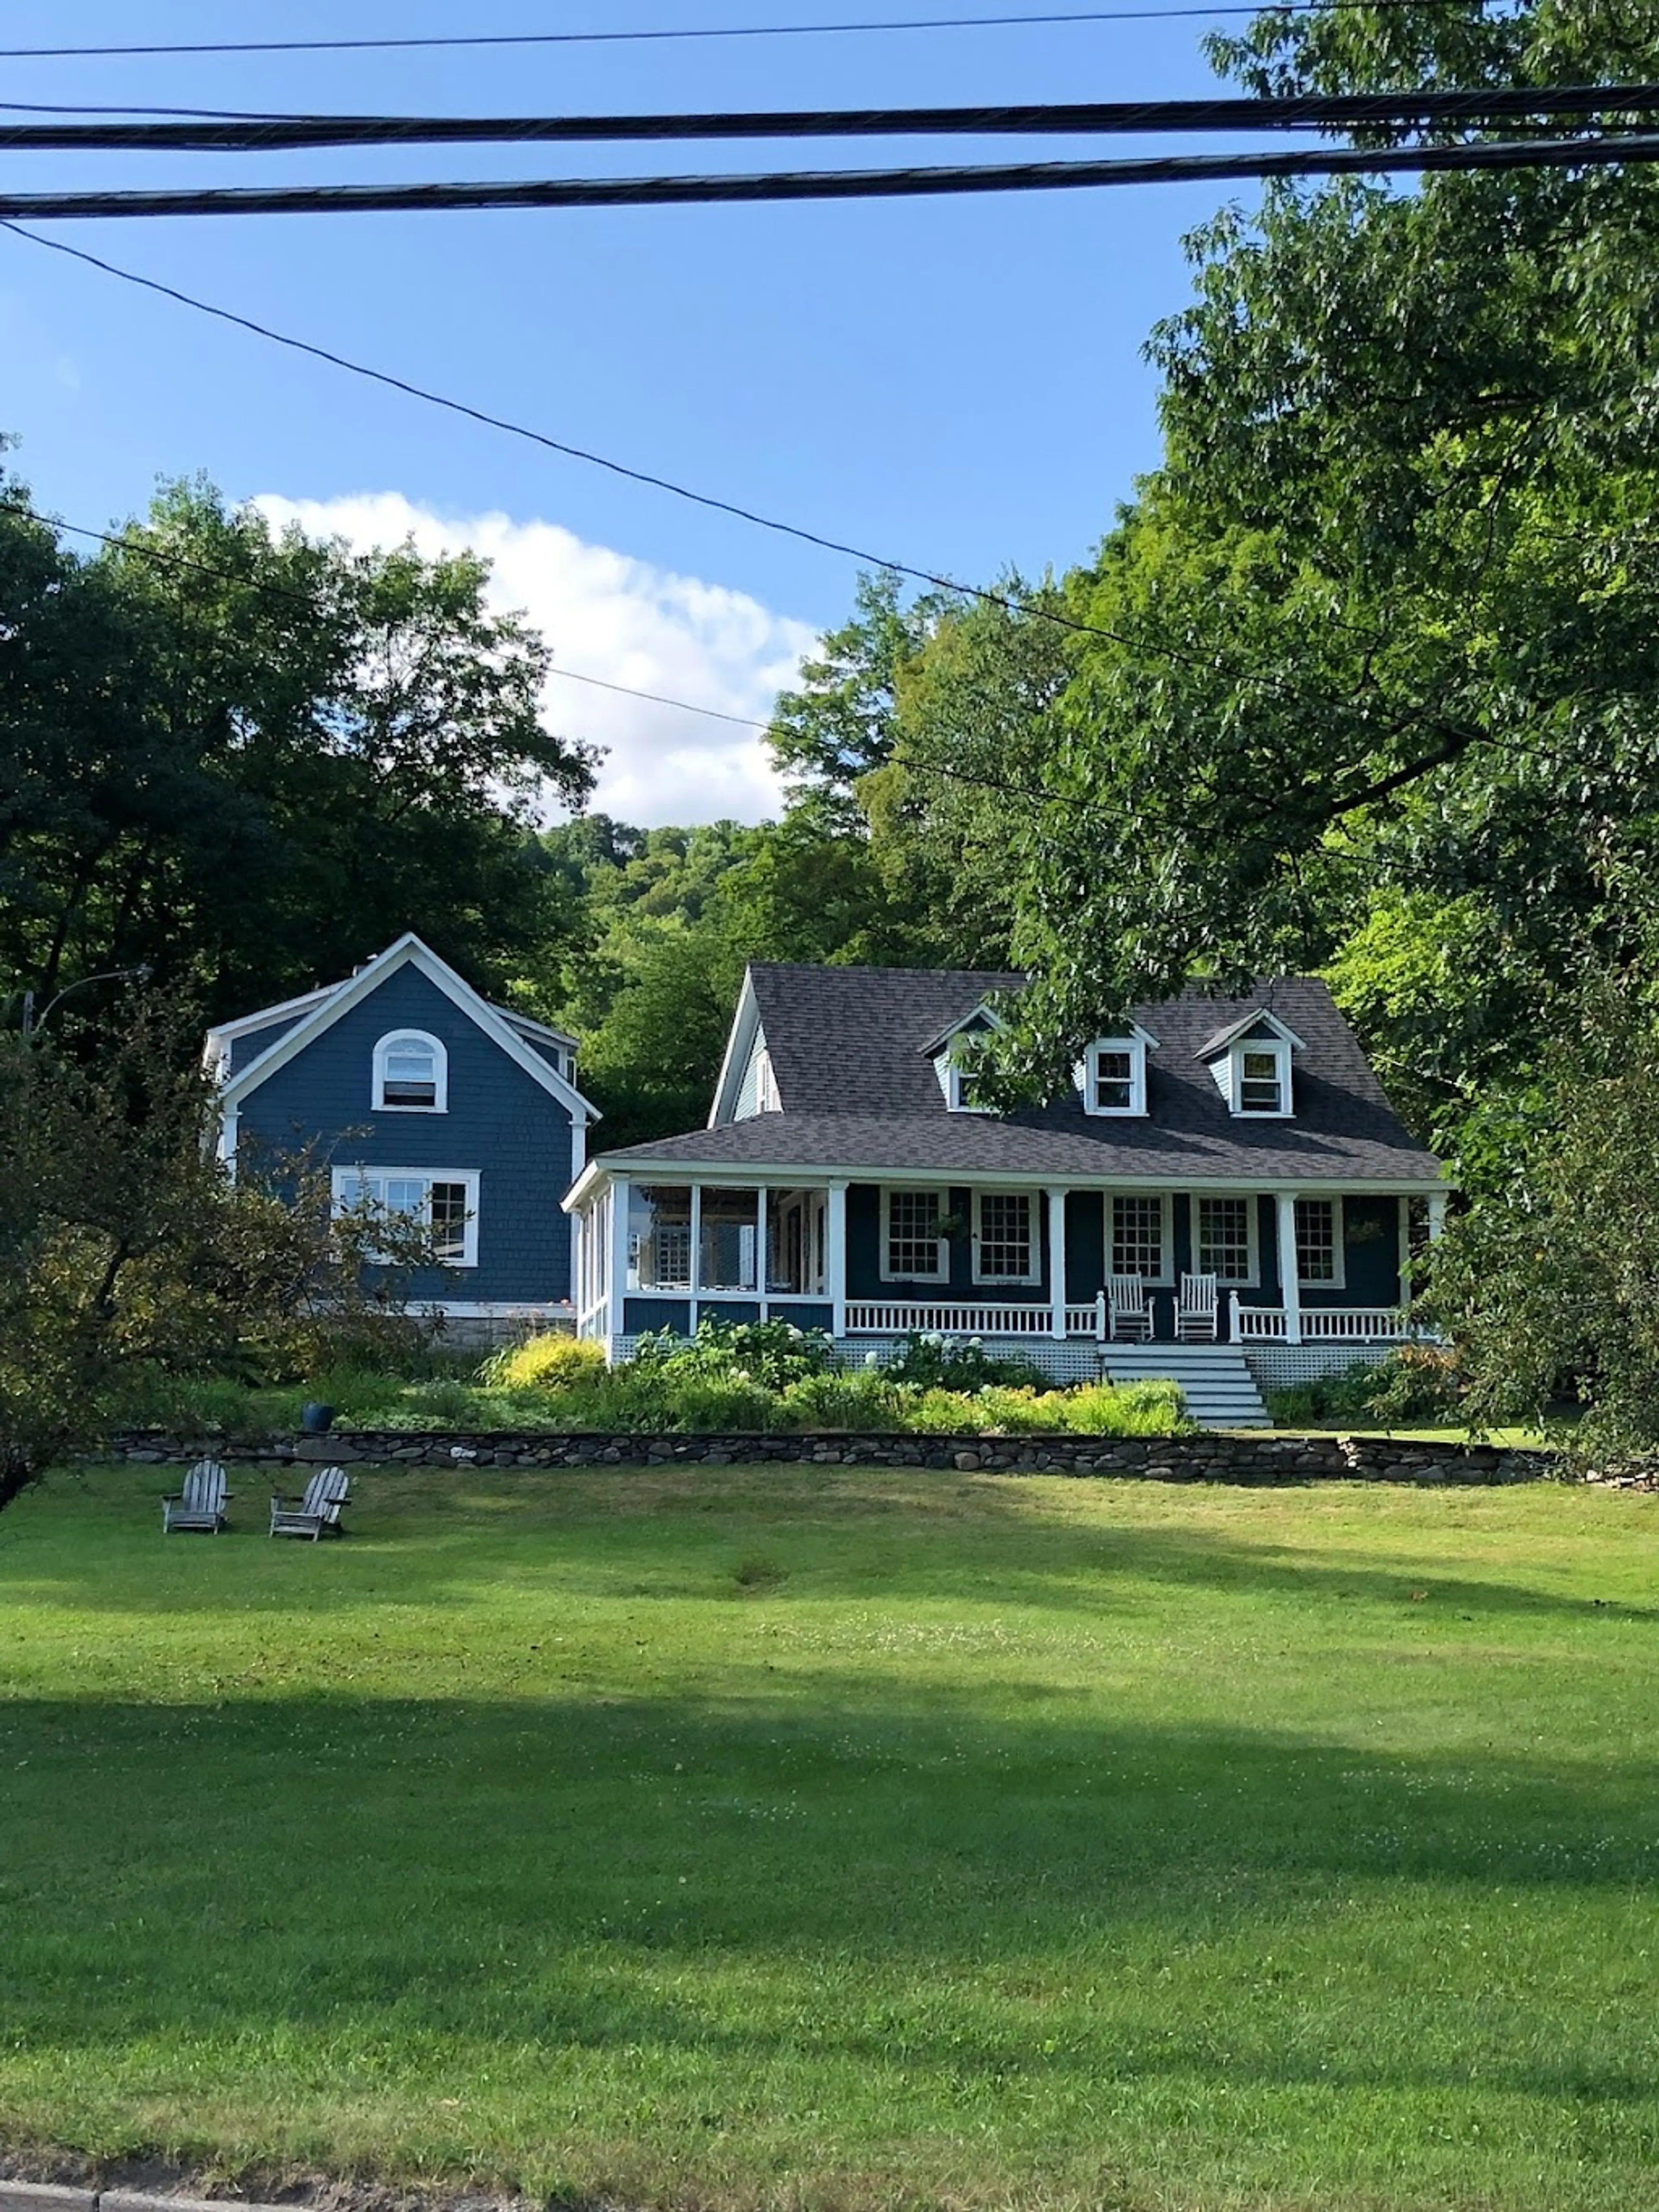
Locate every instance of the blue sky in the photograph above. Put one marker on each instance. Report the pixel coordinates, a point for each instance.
(958, 383)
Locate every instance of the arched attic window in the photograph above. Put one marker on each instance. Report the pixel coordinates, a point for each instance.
(411, 1073)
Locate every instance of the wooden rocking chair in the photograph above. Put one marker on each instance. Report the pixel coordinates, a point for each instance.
(1131, 1316)
(1195, 1310)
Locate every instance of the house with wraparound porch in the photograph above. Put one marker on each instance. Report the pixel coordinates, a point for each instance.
(1224, 1194)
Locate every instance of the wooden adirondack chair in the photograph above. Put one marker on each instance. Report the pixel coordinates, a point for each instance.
(1195, 1310)
(201, 1503)
(1131, 1316)
(317, 1510)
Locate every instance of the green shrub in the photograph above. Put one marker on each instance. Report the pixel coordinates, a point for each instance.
(1416, 1385)
(858, 1398)
(551, 1359)
(931, 1359)
(772, 1353)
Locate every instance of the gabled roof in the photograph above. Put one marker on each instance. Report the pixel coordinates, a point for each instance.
(858, 1091)
(320, 1010)
(1213, 1047)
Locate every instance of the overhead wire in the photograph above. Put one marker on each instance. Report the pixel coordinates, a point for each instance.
(277, 132)
(657, 34)
(790, 185)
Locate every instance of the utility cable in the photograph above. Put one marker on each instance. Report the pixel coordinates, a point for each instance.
(1637, 146)
(718, 31)
(265, 134)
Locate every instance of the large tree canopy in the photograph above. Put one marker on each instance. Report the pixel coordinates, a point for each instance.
(248, 759)
(1384, 627)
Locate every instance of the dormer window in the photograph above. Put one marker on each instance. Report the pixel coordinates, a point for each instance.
(1250, 1064)
(953, 1052)
(411, 1073)
(1261, 1077)
(956, 1083)
(1115, 1074)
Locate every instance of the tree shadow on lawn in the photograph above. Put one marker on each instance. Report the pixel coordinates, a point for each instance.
(463, 1540)
(564, 1871)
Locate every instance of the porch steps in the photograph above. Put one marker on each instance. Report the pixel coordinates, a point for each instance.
(1219, 1387)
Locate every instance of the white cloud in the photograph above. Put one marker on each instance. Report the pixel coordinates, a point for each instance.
(605, 613)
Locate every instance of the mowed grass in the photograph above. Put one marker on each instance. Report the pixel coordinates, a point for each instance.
(807, 1837)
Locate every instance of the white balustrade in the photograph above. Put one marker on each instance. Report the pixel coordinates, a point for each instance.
(871, 1320)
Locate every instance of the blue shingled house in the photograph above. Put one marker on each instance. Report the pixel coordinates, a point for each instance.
(1224, 1195)
(425, 1099)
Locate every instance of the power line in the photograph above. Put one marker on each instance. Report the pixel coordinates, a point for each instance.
(264, 134)
(832, 184)
(721, 31)
(861, 554)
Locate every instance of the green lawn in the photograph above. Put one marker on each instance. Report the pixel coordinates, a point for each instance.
(822, 1838)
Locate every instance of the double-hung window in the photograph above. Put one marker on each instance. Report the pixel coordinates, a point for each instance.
(913, 1246)
(1261, 1077)
(443, 1203)
(1319, 1242)
(1005, 1237)
(1115, 1076)
(1140, 1236)
(1223, 1237)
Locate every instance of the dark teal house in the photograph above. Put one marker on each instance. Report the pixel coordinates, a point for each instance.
(1224, 1194)
(424, 1099)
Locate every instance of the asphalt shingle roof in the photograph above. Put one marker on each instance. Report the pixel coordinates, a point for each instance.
(858, 1091)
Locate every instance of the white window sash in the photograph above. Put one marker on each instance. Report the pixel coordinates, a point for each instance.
(386, 1049)
(1339, 1279)
(1033, 1271)
(941, 1271)
(347, 1188)
(1252, 1229)
(1165, 1203)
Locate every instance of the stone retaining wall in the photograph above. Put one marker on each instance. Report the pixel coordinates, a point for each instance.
(1208, 1457)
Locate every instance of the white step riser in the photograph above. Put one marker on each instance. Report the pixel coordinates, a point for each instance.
(1218, 1387)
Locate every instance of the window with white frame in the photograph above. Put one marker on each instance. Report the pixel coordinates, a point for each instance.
(1140, 1235)
(411, 1073)
(1115, 1076)
(1261, 1077)
(1319, 1242)
(1224, 1238)
(444, 1202)
(1004, 1239)
(912, 1248)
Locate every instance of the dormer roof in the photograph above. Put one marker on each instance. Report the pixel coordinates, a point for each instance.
(1250, 1025)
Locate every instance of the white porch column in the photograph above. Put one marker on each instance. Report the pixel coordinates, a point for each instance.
(616, 1262)
(1436, 1216)
(760, 1198)
(695, 1270)
(835, 1259)
(1290, 1293)
(1056, 1263)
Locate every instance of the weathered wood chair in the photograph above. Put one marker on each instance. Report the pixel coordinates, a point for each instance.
(1132, 1315)
(200, 1504)
(317, 1510)
(1195, 1310)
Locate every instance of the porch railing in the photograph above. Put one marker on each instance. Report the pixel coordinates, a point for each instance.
(1325, 1325)
(898, 1320)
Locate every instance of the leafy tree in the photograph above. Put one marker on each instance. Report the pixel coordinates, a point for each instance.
(1383, 626)
(129, 1258)
(1549, 1284)
(248, 759)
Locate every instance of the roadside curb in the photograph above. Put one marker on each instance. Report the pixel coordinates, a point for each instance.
(56, 2197)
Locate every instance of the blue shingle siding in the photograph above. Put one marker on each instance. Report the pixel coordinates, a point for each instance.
(500, 1122)
(246, 1048)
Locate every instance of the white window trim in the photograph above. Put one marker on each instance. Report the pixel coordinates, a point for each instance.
(766, 1084)
(1279, 1047)
(1339, 1281)
(439, 1070)
(1252, 1223)
(951, 1079)
(468, 1177)
(1034, 1256)
(942, 1272)
(1166, 1203)
(1136, 1048)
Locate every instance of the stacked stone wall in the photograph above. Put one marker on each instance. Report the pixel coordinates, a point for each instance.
(1212, 1457)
